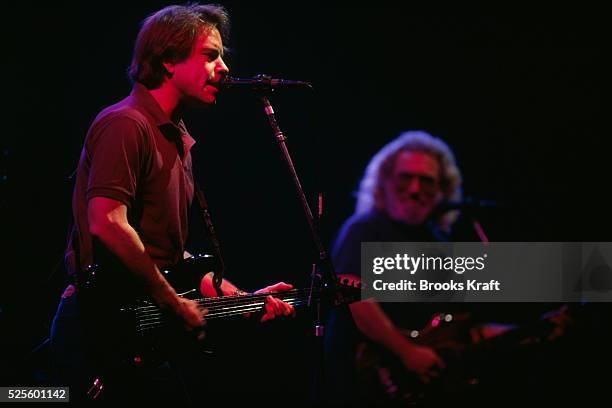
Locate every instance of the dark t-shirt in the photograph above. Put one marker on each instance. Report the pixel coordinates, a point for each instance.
(378, 227)
(342, 336)
(134, 154)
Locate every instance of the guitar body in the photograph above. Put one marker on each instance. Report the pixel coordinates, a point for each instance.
(383, 375)
(476, 367)
(126, 331)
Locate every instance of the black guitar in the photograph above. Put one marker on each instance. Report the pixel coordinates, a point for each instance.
(128, 331)
(473, 363)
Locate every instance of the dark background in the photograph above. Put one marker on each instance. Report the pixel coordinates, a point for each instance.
(519, 97)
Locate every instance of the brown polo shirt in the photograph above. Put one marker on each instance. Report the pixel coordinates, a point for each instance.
(134, 154)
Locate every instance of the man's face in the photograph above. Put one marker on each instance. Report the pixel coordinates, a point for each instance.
(413, 189)
(196, 78)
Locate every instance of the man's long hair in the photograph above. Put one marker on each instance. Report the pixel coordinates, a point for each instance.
(169, 36)
(371, 195)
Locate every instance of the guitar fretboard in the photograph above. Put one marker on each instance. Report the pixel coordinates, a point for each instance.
(150, 317)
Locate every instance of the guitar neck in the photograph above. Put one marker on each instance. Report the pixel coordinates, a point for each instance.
(229, 306)
(149, 317)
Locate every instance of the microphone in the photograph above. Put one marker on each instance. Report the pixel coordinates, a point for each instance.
(260, 83)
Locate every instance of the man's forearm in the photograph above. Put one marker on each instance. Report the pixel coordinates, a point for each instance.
(123, 241)
(372, 321)
(207, 289)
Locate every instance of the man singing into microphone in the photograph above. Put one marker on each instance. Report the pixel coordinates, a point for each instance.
(134, 186)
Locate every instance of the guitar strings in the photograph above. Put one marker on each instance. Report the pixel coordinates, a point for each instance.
(212, 303)
(214, 311)
(150, 316)
(237, 299)
(161, 320)
(153, 320)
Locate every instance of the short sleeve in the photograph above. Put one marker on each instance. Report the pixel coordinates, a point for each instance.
(346, 252)
(116, 148)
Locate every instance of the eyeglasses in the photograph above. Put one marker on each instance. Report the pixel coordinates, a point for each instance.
(403, 180)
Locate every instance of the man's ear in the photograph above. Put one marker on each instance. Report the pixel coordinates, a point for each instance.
(169, 68)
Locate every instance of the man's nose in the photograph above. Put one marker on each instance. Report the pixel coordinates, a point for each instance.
(414, 186)
(221, 69)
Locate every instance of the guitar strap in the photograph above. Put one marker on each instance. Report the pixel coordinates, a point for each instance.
(210, 228)
(212, 235)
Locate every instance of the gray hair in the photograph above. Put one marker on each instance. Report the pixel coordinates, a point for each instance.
(371, 196)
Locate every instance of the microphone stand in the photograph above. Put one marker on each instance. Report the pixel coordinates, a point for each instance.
(480, 231)
(322, 274)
